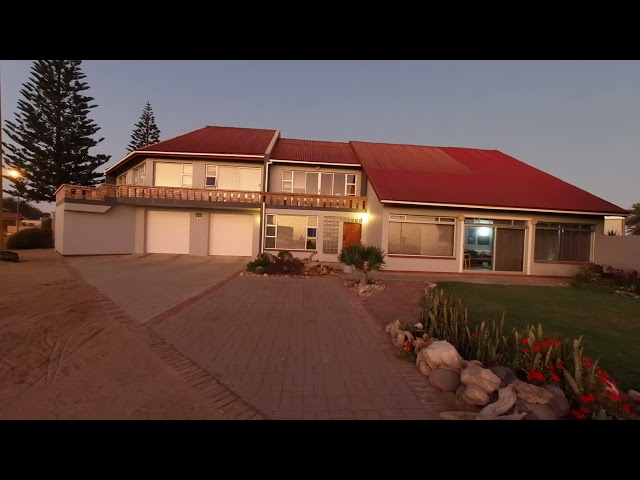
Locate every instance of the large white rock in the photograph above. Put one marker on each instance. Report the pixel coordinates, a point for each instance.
(506, 400)
(444, 380)
(475, 395)
(559, 403)
(480, 377)
(442, 353)
(531, 393)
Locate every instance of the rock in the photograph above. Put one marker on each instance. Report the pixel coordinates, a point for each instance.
(419, 344)
(505, 374)
(506, 400)
(634, 396)
(481, 378)
(458, 416)
(324, 270)
(559, 403)
(475, 395)
(535, 411)
(460, 391)
(475, 362)
(442, 353)
(419, 326)
(444, 380)
(424, 369)
(532, 394)
(8, 256)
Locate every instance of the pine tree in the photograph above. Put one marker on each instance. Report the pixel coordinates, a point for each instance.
(51, 134)
(633, 221)
(146, 131)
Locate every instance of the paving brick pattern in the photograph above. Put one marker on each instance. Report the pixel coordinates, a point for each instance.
(300, 349)
(146, 285)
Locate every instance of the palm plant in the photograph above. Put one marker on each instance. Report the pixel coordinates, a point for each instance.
(633, 222)
(369, 259)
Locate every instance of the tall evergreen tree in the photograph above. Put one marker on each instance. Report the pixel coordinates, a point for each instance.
(146, 131)
(633, 221)
(52, 132)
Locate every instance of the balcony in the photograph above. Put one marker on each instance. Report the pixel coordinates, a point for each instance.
(314, 201)
(134, 194)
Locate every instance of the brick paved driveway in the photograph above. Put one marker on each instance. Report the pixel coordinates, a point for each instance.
(291, 348)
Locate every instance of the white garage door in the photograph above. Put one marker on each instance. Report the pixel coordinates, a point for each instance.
(167, 232)
(231, 234)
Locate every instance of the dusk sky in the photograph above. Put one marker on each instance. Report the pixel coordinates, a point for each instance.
(578, 120)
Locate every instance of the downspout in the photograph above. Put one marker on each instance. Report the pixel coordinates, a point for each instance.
(265, 189)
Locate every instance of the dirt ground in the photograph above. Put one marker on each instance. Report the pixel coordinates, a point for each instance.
(65, 354)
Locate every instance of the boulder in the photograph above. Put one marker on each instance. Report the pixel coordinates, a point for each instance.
(481, 378)
(530, 393)
(634, 396)
(506, 400)
(505, 374)
(442, 353)
(475, 395)
(535, 411)
(8, 256)
(460, 391)
(559, 403)
(419, 344)
(444, 380)
(476, 362)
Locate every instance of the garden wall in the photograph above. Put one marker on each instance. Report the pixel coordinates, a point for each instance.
(618, 251)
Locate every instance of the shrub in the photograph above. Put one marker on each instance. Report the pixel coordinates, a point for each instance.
(364, 258)
(46, 223)
(30, 238)
(263, 261)
(259, 270)
(285, 264)
(350, 255)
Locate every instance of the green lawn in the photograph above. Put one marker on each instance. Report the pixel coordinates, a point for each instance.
(609, 323)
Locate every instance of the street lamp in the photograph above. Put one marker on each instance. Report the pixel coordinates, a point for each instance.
(15, 174)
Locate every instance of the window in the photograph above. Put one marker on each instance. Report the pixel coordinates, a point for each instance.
(122, 179)
(421, 235)
(563, 242)
(139, 174)
(316, 183)
(291, 232)
(211, 180)
(187, 175)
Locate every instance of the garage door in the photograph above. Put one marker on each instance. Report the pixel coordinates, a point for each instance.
(231, 234)
(167, 232)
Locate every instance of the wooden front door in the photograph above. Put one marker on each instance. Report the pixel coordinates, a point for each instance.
(351, 234)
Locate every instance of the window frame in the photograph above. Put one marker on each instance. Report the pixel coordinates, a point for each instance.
(560, 227)
(308, 225)
(142, 177)
(207, 176)
(421, 220)
(287, 182)
(119, 177)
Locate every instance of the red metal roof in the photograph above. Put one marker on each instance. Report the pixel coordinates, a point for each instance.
(232, 140)
(468, 176)
(314, 151)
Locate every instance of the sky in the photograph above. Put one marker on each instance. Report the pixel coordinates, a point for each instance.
(577, 120)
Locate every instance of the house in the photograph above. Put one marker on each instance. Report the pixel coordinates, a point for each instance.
(242, 191)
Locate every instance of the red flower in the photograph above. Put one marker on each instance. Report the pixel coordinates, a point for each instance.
(559, 366)
(474, 334)
(586, 361)
(526, 350)
(602, 379)
(535, 375)
(624, 396)
(584, 409)
(591, 398)
(552, 368)
(587, 398)
(525, 340)
(627, 408)
(555, 377)
(614, 396)
(407, 343)
(577, 414)
(537, 348)
(603, 373)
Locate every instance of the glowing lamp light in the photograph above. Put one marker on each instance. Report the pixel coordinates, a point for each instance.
(14, 173)
(484, 231)
(365, 217)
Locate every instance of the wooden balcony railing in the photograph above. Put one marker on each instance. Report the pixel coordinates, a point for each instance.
(104, 191)
(315, 201)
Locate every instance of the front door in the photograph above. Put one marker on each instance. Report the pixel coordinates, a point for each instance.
(351, 234)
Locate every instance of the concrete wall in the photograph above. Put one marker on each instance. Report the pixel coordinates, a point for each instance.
(199, 169)
(276, 169)
(321, 214)
(375, 212)
(94, 233)
(619, 252)
(617, 224)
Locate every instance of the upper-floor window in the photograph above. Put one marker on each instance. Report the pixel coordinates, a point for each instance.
(173, 174)
(211, 180)
(317, 183)
(122, 179)
(139, 174)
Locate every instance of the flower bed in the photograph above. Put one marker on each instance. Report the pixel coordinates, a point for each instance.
(285, 264)
(519, 374)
